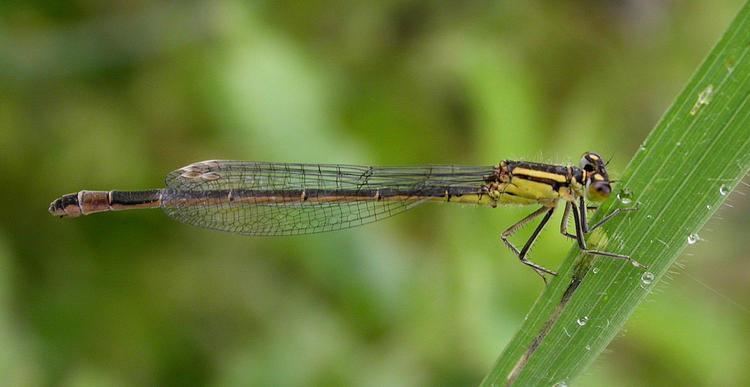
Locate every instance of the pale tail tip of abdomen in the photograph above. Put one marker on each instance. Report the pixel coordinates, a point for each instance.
(66, 206)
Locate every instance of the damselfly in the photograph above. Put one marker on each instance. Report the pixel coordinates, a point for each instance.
(258, 198)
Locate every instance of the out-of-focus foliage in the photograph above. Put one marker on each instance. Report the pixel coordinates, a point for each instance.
(115, 95)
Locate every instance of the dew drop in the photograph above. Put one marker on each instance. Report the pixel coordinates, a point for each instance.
(642, 148)
(647, 278)
(595, 270)
(723, 190)
(703, 99)
(625, 196)
(693, 238)
(560, 384)
(588, 347)
(582, 320)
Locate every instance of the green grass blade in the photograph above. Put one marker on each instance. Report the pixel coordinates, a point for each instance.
(681, 175)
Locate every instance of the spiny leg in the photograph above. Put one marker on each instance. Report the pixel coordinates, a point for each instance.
(548, 211)
(587, 229)
(611, 216)
(580, 232)
(564, 222)
(566, 218)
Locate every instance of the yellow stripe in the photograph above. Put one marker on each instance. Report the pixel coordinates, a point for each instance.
(540, 174)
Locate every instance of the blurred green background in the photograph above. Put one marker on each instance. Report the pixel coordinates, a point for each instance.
(114, 95)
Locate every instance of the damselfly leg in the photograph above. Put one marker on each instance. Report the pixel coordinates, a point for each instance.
(547, 211)
(582, 228)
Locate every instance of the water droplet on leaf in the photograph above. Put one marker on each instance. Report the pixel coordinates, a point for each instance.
(647, 278)
(625, 196)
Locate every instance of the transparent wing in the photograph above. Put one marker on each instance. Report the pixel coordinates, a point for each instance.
(256, 198)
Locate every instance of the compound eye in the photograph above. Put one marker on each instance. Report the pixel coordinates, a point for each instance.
(598, 191)
(588, 167)
(602, 188)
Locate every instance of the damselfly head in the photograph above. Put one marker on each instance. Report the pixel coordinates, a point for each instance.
(595, 177)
